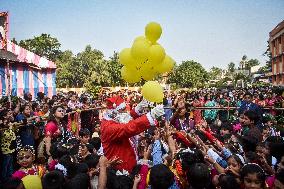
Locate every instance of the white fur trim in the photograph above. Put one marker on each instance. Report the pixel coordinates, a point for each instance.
(121, 106)
(150, 119)
(122, 172)
(136, 109)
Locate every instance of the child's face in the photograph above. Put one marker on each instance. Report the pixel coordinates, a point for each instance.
(252, 182)
(25, 159)
(234, 165)
(261, 151)
(246, 121)
(224, 132)
(85, 139)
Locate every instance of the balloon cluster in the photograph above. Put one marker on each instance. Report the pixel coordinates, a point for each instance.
(146, 58)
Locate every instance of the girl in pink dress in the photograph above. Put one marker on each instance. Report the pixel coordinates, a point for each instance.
(26, 158)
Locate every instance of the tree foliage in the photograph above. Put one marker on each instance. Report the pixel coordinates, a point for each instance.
(189, 74)
(215, 73)
(268, 65)
(88, 69)
(43, 45)
(231, 67)
(251, 63)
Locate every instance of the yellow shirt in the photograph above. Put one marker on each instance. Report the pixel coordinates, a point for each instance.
(7, 138)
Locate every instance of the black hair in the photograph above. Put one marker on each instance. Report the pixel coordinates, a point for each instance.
(252, 115)
(253, 168)
(161, 177)
(237, 159)
(40, 95)
(11, 183)
(228, 181)
(53, 180)
(82, 168)
(57, 150)
(3, 114)
(92, 160)
(84, 132)
(251, 157)
(90, 147)
(199, 175)
(190, 158)
(26, 96)
(80, 181)
(226, 126)
(34, 105)
(69, 162)
(96, 142)
(118, 181)
(22, 108)
(73, 141)
(247, 93)
(249, 143)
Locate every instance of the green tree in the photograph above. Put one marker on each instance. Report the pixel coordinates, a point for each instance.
(43, 45)
(215, 73)
(242, 77)
(65, 71)
(252, 63)
(231, 67)
(87, 68)
(189, 74)
(114, 68)
(243, 62)
(268, 55)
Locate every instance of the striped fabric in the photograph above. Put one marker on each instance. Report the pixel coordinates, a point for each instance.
(26, 79)
(28, 57)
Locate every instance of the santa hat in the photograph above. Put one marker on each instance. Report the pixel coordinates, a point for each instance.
(115, 103)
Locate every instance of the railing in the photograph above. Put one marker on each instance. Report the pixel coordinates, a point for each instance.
(29, 120)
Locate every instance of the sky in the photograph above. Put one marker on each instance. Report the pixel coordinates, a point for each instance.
(211, 32)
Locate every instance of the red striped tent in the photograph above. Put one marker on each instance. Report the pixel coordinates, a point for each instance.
(28, 72)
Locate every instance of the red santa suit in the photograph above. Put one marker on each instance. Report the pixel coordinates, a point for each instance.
(115, 135)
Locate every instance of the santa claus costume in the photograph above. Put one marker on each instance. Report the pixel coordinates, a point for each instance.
(118, 126)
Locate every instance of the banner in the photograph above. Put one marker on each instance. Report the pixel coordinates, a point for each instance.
(3, 30)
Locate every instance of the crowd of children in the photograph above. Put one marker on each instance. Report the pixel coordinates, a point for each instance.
(47, 144)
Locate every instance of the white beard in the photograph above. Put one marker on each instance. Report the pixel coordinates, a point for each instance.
(123, 118)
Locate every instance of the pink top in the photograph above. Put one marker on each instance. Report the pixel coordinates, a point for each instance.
(51, 129)
(21, 174)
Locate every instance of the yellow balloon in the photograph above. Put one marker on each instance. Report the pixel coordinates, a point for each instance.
(140, 50)
(147, 72)
(139, 38)
(125, 57)
(153, 91)
(167, 65)
(130, 74)
(156, 54)
(153, 31)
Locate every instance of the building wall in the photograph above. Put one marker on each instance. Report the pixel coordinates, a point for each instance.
(277, 49)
